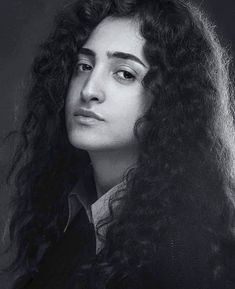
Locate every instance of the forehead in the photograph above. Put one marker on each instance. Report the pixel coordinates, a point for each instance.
(117, 34)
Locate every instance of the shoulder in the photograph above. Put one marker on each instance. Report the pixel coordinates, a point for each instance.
(192, 256)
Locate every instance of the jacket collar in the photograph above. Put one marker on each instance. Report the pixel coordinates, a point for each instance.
(84, 195)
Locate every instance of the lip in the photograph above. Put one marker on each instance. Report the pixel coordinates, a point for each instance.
(88, 113)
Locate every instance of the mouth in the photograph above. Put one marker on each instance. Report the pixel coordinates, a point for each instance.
(86, 120)
(85, 114)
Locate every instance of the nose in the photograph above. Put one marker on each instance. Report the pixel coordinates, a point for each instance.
(92, 89)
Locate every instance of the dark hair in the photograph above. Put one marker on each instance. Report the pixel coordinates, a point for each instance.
(185, 171)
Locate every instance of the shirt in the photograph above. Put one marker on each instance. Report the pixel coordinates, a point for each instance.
(84, 195)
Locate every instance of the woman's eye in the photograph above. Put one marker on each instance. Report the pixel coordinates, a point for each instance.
(84, 67)
(125, 75)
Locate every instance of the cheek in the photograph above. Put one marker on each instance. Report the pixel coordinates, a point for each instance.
(74, 92)
(70, 104)
(68, 112)
(72, 100)
(132, 106)
(124, 119)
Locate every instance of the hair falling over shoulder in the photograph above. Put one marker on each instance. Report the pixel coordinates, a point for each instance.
(185, 173)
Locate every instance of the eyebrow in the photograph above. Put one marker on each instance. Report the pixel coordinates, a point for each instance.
(115, 54)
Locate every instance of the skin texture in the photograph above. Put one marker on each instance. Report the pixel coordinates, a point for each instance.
(111, 86)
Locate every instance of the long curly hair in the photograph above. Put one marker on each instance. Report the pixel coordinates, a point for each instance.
(185, 169)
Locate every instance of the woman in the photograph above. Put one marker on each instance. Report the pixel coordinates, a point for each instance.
(129, 130)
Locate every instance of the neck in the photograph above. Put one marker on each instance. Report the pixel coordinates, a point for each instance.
(110, 167)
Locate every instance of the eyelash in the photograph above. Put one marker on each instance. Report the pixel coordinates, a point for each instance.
(130, 76)
(80, 65)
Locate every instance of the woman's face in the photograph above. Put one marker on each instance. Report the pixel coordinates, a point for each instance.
(107, 81)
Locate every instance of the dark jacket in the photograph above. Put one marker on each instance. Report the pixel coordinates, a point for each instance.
(183, 261)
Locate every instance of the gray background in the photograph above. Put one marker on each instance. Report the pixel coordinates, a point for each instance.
(23, 25)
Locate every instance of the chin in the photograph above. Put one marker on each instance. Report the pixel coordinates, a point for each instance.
(96, 143)
(86, 143)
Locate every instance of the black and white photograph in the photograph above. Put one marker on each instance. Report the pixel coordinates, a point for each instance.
(117, 144)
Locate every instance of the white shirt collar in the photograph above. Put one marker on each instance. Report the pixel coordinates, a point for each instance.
(100, 210)
(96, 209)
